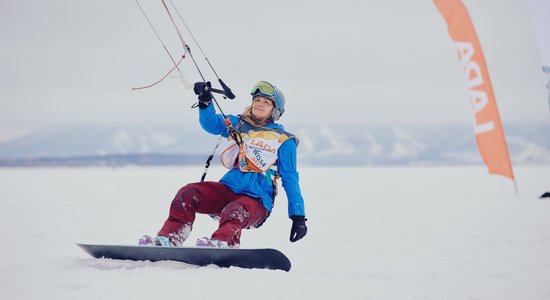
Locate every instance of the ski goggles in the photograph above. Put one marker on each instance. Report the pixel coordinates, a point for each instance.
(264, 88)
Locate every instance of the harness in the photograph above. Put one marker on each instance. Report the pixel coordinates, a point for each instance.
(256, 152)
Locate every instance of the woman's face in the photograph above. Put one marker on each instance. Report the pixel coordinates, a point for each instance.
(262, 107)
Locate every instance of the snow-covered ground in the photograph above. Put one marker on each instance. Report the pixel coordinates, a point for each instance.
(374, 233)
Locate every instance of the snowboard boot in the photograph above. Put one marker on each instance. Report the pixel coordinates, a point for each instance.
(146, 241)
(163, 242)
(213, 243)
(158, 241)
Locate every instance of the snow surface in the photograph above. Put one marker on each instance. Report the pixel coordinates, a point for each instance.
(374, 233)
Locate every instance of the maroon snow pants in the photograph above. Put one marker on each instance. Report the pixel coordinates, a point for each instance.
(213, 198)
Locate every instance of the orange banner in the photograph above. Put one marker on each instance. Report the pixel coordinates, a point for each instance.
(487, 126)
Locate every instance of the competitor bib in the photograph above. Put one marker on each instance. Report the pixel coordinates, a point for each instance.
(258, 151)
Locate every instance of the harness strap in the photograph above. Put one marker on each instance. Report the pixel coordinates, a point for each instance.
(207, 165)
(234, 133)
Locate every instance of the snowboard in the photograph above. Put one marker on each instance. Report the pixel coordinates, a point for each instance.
(201, 256)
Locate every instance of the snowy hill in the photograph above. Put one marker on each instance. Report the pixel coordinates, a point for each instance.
(369, 144)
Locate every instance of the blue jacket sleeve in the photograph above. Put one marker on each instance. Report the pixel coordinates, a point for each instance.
(289, 175)
(214, 123)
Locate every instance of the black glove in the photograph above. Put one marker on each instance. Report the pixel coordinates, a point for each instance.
(201, 90)
(299, 228)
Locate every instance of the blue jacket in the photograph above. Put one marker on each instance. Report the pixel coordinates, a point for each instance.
(255, 184)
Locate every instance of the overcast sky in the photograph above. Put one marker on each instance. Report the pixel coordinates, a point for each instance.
(65, 63)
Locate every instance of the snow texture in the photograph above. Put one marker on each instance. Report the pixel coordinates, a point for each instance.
(374, 233)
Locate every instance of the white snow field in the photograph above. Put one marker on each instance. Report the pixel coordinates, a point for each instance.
(374, 233)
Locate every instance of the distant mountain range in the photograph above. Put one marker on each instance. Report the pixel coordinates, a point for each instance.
(330, 145)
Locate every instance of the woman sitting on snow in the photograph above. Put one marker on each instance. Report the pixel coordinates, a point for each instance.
(260, 151)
